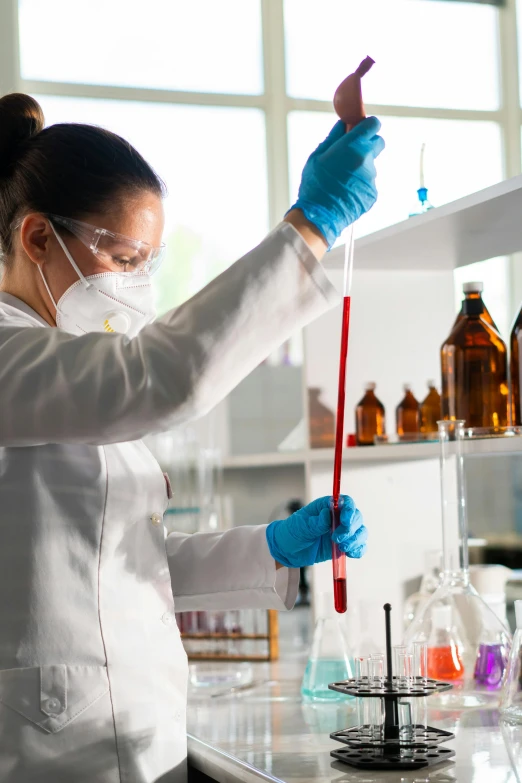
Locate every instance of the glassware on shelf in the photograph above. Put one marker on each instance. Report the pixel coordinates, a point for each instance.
(474, 371)
(473, 290)
(408, 414)
(431, 409)
(431, 579)
(511, 700)
(330, 659)
(460, 628)
(369, 417)
(423, 203)
(322, 421)
(515, 369)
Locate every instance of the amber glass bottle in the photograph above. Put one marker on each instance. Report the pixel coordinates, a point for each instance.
(474, 291)
(474, 371)
(322, 422)
(408, 414)
(431, 409)
(516, 351)
(369, 417)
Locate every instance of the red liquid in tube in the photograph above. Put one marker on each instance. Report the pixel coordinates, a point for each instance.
(338, 557)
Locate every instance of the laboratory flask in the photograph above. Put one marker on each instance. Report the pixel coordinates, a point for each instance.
(511, 699)
(330, 656)
(467, 642)
(473, 290)
(474, 371)
(515, 346)
(431, 410)
(408, 413)
(322, 421)
(369, 417)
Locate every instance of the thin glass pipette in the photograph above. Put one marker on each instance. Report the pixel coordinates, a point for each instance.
(338, 557)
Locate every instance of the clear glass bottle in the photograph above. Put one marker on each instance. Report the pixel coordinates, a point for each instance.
(431, 410)
(408, 413)
(455, 610)
(369, 417)
(511, 700)
(322, 421)
(515, 341)
(330, 657)
(474, 371)
(473, 290)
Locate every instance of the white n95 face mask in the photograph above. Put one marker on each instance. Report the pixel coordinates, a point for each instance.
(105, 302)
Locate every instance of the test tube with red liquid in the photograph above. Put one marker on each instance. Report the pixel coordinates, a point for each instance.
(336, 503)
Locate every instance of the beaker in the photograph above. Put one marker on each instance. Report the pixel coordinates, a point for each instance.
(461, 630)
(511, 700)
(330, 659)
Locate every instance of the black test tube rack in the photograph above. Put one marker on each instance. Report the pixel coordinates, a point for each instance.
(391, 751)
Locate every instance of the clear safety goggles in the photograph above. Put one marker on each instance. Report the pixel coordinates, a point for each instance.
(115, 251)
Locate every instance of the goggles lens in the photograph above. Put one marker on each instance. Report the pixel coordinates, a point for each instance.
(117, 252)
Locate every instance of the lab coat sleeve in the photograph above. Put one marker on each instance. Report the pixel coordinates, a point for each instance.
(230, 570)
(104, 388)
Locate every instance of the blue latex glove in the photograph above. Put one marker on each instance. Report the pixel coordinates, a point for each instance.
(305, 538)
(338, 180)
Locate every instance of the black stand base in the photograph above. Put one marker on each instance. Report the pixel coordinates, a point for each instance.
(392, 757)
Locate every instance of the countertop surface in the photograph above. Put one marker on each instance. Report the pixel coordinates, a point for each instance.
(268, 733)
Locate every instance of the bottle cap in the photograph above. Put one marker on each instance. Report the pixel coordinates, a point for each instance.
(441, 616)
(473, 287)
(432, 385)
(370, 386)
(407, 387)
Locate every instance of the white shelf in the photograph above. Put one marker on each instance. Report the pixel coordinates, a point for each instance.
(402, 452)
(477, 227)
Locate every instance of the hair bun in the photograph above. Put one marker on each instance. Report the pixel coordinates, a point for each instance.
(20, 118)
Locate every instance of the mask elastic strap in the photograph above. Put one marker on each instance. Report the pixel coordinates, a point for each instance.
(48, 289)
(70, 259)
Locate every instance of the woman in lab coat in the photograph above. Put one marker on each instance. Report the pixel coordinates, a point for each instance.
(92, 669)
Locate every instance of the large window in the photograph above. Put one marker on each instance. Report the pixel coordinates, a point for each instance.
(227, 99)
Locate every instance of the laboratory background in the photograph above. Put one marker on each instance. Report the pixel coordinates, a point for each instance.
(226, 99)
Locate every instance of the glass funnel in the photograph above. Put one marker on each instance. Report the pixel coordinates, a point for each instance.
(467, 643)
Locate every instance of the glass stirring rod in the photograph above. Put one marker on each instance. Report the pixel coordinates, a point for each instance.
(336, 503)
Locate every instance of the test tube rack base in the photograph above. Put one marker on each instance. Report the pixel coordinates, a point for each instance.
(389, 746)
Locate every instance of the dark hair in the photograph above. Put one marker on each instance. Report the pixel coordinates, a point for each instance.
(66, 169)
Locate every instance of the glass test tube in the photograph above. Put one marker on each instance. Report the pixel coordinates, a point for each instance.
(398, 649)
(376, 672)
(420, 673)
(338, 557)
(363, 705)
(405, 679)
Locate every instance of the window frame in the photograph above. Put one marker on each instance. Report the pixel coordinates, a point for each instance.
(276, 104)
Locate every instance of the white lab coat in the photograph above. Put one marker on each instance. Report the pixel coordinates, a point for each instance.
(92, 669)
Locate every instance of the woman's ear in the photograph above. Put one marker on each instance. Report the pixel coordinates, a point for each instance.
(35, 233)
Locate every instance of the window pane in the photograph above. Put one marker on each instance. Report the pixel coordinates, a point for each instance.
(461, 157)
(171, 44)
(427, 53)
(214, 164)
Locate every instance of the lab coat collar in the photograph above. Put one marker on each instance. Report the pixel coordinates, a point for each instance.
(17, 304)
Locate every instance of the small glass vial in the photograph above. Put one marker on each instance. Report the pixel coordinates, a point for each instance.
(322, 421)
(369, 417)
(431, 410)
(408, 414)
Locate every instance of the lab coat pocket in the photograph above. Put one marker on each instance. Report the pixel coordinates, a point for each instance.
(52, 696)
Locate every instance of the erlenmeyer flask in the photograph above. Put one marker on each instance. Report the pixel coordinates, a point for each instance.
(330, 659)
(511, 701)
(475, 636)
